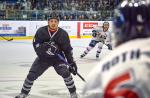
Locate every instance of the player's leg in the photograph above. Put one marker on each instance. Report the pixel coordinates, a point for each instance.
(100, 45)
(63, 71)
(89, 48)
(36, 70)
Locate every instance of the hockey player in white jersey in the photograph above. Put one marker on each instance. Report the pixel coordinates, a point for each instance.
(125, 72)
(100, 36)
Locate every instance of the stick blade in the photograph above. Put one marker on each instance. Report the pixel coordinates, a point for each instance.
(10, 39)
(81, 77)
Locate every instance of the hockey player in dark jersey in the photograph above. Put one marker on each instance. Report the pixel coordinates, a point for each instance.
(49, 41)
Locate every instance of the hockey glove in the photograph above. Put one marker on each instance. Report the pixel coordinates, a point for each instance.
(73, 68)
(94, 33)
(47, 50)
(109, 46)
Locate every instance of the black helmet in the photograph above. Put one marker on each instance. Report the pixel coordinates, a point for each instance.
(132, 20)
(53, 16)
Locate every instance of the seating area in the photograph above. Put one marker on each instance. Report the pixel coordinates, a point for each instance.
(66, 9)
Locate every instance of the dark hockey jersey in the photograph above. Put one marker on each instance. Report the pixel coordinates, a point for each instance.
(60, 37)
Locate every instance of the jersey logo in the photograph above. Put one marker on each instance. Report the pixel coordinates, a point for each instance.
(49, 52)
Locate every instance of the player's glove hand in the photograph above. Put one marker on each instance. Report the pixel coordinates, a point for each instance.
(47, 50)
(94, 33)
(73, 68)
(109, 46)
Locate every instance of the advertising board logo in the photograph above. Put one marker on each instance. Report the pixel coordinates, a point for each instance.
(89, 25)
(5, 27)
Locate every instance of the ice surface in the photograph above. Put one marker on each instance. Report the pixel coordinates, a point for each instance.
(16, 58)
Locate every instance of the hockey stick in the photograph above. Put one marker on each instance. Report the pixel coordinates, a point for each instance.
(6, 38)
(68, 65)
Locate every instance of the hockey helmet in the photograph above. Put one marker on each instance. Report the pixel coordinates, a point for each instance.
(132, 20)
(53, 16)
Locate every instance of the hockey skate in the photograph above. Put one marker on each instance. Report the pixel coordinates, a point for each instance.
(21, 95)
(97, 56)
(74, 95)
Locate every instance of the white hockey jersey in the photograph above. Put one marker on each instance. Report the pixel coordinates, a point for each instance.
(108, 38)
(100, 35)
(125, 73)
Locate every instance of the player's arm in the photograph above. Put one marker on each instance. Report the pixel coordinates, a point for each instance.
(93, 86)
(37, 40)
(67, 49)
(108, 41)
(108, 38)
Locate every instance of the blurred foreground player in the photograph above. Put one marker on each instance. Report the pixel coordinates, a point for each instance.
(48, 41)
(101, 36)
(125, 73)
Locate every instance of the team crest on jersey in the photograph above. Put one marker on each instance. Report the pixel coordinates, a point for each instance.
(49, 52)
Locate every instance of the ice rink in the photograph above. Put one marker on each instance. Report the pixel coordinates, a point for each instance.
(16, 58)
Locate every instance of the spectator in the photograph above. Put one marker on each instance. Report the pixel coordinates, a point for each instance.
(65, 17)
(74, 6)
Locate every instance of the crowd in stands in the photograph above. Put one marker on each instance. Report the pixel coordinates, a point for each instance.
(66, 9)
